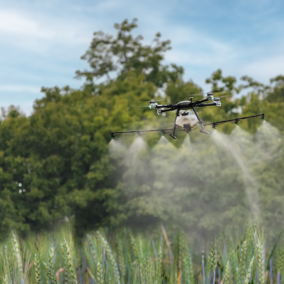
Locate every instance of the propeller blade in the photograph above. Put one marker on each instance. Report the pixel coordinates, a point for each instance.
(154, 100)
(202, 94)
(225, 96)
(196, 95)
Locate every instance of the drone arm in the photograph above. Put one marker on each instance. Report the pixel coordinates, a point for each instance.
(204, 105)
(202, 101)
(161, 106)
(165, 110)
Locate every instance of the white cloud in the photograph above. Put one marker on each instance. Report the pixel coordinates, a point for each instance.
(39, 33)
(12, 22)
(193, 49)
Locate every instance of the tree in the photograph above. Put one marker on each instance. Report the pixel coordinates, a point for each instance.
(126, 53)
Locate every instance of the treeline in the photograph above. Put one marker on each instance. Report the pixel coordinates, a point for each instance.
(55, 164)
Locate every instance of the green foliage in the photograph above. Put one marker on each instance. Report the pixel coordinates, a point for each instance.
(125, 53)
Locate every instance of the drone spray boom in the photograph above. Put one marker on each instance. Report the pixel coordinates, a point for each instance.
(235, 120)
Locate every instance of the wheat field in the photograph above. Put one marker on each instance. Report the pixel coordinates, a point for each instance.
(52, 258)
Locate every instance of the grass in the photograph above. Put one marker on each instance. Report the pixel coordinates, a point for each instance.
(122, 258)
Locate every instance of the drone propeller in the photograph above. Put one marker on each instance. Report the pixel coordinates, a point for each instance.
(202, 94)
(225, 96)
(153, 99)
(196, 95)
(150, 101)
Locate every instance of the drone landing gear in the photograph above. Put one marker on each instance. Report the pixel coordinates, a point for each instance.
(174, 131)
(175, 126)
(202, 128)
(200, 122)
(203, 131)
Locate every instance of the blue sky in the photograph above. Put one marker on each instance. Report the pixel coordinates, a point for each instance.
(42, 41)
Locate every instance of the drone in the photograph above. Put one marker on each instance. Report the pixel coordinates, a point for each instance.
(185, 119)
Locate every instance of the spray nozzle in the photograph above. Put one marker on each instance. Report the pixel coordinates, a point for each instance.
(214, 126)
(263, 117)
(237, 122)
(112, 135)
(163, 132)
